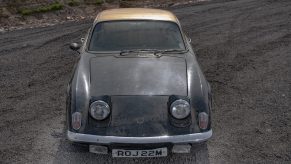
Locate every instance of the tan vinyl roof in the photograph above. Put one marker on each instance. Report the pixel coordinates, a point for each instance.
(136, 14)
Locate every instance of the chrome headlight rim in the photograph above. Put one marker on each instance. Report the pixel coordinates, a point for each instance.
(105, 114)
(177, 103)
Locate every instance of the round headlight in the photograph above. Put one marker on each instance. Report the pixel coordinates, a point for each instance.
(99, 110)
(180, 109)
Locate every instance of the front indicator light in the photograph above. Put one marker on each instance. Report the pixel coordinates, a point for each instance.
(76, 120)
(203, 120)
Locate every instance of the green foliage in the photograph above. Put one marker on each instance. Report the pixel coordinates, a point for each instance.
(56, 6)
(99, 2)
(26, 11)
(73, 3)
(42, 9)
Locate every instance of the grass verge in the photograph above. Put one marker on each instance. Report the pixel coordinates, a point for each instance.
(99, 2)
(42, 9)
(74, 3)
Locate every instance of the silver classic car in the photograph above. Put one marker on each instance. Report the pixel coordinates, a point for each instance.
(137, 89)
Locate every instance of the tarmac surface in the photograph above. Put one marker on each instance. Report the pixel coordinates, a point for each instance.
(243, 46)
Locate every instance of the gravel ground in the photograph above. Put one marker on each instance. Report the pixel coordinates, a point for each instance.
(243, 46)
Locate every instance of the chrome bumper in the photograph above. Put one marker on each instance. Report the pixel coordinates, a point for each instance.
(187, 138)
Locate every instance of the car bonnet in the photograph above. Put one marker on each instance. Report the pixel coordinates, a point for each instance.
(111, 75)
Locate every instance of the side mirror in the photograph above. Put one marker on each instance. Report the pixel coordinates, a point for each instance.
(75, 46)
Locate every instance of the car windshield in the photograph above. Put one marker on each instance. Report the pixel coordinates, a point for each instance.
(136, 35)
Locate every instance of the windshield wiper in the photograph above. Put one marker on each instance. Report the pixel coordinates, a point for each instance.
(123, 52)
(157, 53)
(178, 51)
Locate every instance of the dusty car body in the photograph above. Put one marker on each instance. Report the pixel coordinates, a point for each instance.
(141, 100)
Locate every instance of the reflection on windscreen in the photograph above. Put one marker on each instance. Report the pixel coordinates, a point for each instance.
(131, 35)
